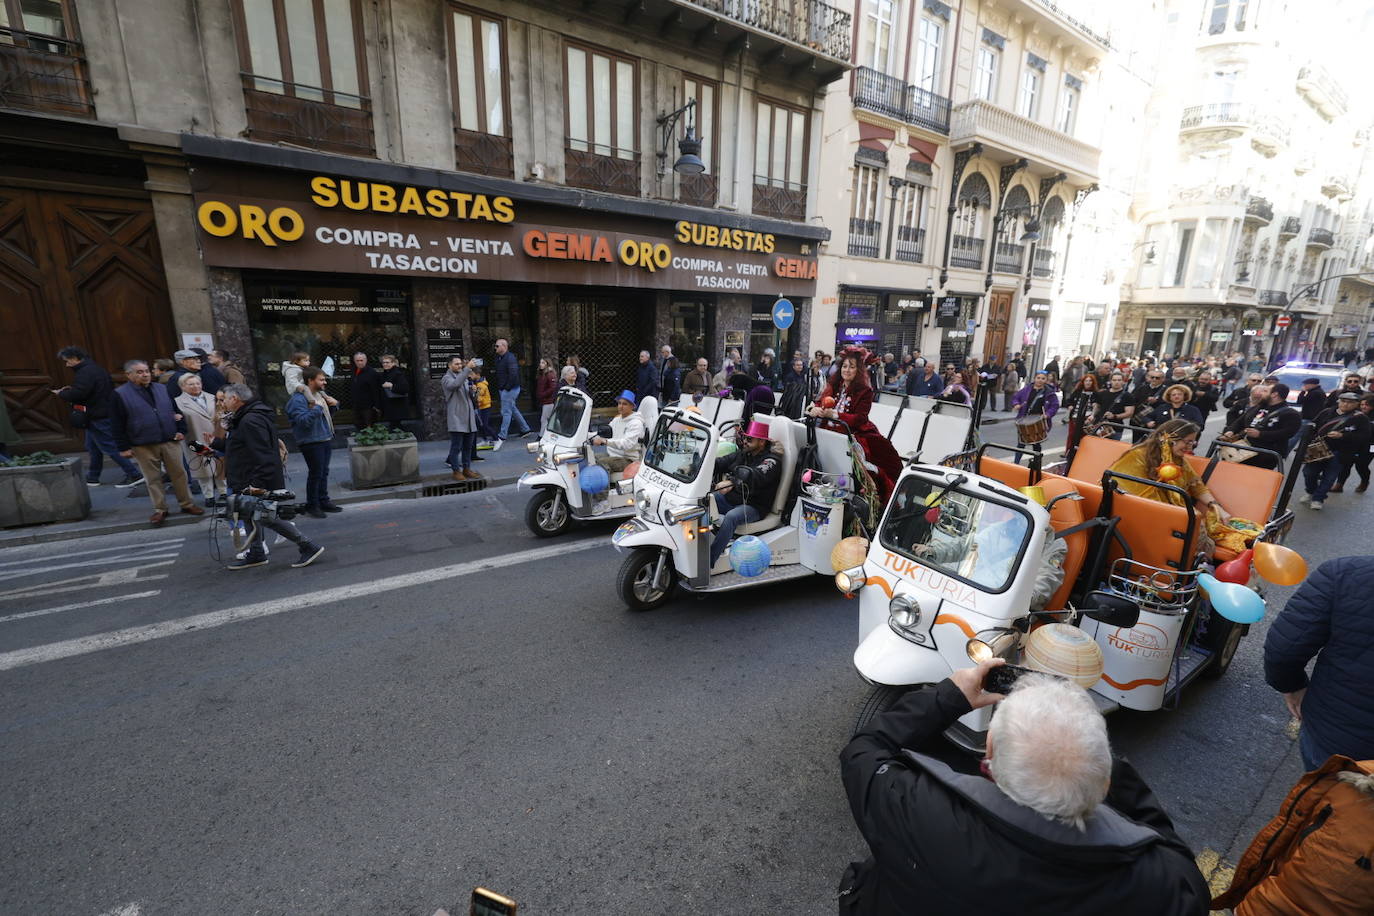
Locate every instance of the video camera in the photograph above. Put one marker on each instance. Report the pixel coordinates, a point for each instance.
(254, 504)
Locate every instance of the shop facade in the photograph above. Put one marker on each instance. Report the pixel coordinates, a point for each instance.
(330, 256)
(882, 319)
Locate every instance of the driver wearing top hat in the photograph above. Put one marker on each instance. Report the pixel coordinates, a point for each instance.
(750, 480)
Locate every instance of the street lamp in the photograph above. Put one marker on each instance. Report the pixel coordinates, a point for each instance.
(1302, 292)
(689, 147)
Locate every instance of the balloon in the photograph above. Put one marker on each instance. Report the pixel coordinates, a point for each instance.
(933, 514)
(594, 479)
(1237, 570)
(848, 553)
(1168, 472)
(1278, 564)
(1234, 602)
(630, 471)
(749, 556)
(827, 402)
(806, 477)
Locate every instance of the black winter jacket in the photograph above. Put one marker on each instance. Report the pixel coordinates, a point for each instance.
(1331, 616)
(759, 483)
(251, 458)
(948, 843)
(92, 386)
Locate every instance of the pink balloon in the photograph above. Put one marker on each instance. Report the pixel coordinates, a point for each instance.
(806, 477)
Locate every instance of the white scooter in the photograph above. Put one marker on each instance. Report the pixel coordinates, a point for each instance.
(562, 452)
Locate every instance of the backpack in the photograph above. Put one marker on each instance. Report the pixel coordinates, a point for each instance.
(793, 400)
(808, 459)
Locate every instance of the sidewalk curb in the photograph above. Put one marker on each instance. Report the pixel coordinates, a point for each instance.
(409, 491)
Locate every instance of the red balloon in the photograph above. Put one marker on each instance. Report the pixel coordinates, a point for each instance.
(1237, 570)
(827, 402)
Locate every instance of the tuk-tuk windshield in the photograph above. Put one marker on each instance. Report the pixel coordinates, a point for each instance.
(963, 535)
(677, 449)
(566, 418)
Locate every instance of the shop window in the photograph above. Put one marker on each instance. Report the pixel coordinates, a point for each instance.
(858, 307)
(765, 335)
(602, 143)
(304, 73)
(605, 329)
(693, 328)
(700, 190)
(42, 60)
(330, 319)
(477, 73)
(509, 312)
(780, 154)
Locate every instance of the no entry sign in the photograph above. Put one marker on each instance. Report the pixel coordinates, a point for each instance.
(1282, 321)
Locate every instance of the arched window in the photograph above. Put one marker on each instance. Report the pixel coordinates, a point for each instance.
(970, 222)
(1051, 221)
(1009, 256)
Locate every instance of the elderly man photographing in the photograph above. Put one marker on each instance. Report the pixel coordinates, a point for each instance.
(1059, 826)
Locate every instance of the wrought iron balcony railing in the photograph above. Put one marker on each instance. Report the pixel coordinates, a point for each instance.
(780, 199)
(1272, 297)
(698, 190)
(811, 23)
(1008, 257)
(966, 251)
(1229, 114)
(1044, 262)
(309, 116)
(485, 154)
(863, 237)
(41, 73)
(900, 101)
(1260, 209)
(1321, 238)
(911, 244)
(1291, 226)
(601, 168)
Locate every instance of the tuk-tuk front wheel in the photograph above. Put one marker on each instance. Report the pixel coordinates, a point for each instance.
(547, 514)
(879, 700)
(647, 578)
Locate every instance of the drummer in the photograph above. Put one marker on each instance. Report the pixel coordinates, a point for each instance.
(1036, 404)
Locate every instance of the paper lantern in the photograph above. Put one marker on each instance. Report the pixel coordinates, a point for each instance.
(749, 556)
(594, 479)
(725, 448)
(849, 553)
(1168, 472)
(1278, 564)
(630, 471)
(1065, 650)
(1234, 602)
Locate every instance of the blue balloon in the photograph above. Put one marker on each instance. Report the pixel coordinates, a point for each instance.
(594, 479)
(749, 556)
(1233, 601)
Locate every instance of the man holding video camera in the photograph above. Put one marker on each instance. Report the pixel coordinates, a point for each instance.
(253, 468)
(1058, 825)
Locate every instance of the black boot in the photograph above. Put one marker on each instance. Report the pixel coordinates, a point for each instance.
(310, 552)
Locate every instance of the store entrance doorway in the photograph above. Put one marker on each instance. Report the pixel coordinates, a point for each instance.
(606, 329)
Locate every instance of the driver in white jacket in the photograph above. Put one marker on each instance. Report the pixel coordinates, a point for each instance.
(626, 444)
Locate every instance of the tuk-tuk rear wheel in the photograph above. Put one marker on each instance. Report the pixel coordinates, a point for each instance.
(636, 579)
(1223, 638)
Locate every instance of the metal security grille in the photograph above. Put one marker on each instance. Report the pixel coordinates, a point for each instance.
(606, 333)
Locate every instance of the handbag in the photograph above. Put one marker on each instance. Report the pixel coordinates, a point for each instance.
(77, 419)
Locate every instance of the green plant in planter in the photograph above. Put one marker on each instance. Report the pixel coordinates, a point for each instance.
(28, 461)
(379, 434)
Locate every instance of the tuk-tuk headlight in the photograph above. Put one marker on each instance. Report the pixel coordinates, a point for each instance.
(533, 447)
(904, 610)
(850, 581)
(566, 457)
(685, 513)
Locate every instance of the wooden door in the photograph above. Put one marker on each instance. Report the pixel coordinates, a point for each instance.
(999, 316)
(81, 270)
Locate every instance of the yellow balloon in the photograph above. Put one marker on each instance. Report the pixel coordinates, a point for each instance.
(848, 553)
(1279, 564)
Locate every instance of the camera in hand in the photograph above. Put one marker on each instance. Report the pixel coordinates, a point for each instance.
(264, 504)
(200, 448)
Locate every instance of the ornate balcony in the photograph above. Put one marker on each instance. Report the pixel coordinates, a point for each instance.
(1044, 262)
(1321, 91)
(900, 101)
(780, 199)
(1270, 135)
(616, 172)
(863, 237)
(1321, 239)
(1337, 186)
(1219, 120)
(1290, 228)
(911, 244)
(983, 122)
(800, 28)
(1009, 257)
(1272, 297)
(1259, 210)
(966, 251)
(290, 116)
(38, 73)
(485, 154)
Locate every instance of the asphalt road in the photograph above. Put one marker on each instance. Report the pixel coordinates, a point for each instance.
(384, 730)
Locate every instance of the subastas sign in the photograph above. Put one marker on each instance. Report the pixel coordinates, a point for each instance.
(328, 224)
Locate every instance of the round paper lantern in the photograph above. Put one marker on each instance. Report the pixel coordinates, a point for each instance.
(594, 479)
(630, 471)
(1168, 472)
(1065, 650)
(749, 556)
(725, 448)
(1278, 564)
(848, 553)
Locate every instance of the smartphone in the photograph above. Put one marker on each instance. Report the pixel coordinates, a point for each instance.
(490, 903)
(1002, 678)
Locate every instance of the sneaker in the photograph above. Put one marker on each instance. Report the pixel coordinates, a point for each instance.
(483, 446)
(92, 483)
(331, 507)
(248, 562)
(1315, 506)
(478, 457)
(314, 512)
(129, 482)
(243, 554)
(309, 554)
(496, 446)
(527, 433)
(1305, 500)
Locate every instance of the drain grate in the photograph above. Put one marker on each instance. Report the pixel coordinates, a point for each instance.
(450, 489)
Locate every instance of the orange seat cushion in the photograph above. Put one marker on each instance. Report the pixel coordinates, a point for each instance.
(1065, 514)
(1095, 455)
(1007, 472)
(1242, 490)
(1156, 532)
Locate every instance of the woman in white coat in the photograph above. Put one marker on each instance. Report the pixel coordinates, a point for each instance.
(198, 410)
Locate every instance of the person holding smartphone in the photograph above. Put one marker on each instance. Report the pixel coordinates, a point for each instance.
(1054, 818)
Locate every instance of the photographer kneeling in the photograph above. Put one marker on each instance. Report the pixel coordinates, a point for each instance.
(253, 468)
(1058, 826)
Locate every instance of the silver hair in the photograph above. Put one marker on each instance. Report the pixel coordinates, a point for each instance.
(569, 372)
(1050, 750)
(186, 377)
(240, 391)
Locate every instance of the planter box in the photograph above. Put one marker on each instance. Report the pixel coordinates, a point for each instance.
(43, 493)
(384, 465)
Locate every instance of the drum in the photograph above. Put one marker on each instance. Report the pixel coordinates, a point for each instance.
(1030, 430)
(1317, 450)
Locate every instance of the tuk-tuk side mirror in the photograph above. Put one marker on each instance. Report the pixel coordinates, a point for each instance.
(604, 431)
(1113, 610)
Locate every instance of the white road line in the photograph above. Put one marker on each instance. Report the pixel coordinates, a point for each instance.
(73, 607)
(131, 562)
(128, 909)
(54, 551)
(134, 635)
(80, 583)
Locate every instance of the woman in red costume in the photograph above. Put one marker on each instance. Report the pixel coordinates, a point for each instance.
(849, 397)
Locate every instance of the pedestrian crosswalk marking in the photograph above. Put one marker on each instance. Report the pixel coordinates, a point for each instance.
(43, 552)
(115, 599)
(138, 562)
(84, 583)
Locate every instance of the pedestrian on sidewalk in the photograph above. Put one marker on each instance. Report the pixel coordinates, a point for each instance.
(189, 361)
(233, 375)
(698, 381)
(545, 390)
(486, 433)
(90, 393)
(146, 429)
(667, 375)
(253, 463)
(1327, 617)
(508, 387)
(366, 392)
(197, 411)
(312, 424)
(395, 392)
(1056, 818)
(646, 380)
(460, 410)
(1011, 383)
